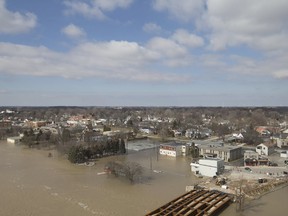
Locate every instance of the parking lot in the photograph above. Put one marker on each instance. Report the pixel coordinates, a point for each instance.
(275, 157)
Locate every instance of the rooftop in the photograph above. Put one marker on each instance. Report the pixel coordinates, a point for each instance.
(172, 144)
(219, 148)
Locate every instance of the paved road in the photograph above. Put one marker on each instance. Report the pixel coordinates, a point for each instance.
(260, 171)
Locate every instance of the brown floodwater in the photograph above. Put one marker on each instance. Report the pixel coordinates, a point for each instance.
(34, 184)
(272, 204)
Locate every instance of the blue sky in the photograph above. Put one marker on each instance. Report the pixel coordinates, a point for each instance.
(143, 53)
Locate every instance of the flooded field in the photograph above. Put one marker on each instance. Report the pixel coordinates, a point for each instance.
(34, 184)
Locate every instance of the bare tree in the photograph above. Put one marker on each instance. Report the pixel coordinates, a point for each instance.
(131, 170)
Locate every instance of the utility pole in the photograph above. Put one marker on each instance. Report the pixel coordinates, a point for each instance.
(240, 197)
(156, 147)
(150, 161)
(126, 144)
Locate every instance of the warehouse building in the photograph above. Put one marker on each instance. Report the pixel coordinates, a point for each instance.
(208, 167)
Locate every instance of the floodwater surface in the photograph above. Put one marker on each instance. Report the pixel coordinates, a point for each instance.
(274, 203)
(34, 184)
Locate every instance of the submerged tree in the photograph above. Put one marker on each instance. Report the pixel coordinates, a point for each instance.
(77, 154)
(29, 138)
(122, 148)
(64, 136)
(194, 151)
(133, 171)
(130, 170)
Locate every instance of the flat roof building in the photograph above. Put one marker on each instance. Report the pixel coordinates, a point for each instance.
(208, 167)
(227, 153)
(173, 149)
(251, 158)
(14, 140)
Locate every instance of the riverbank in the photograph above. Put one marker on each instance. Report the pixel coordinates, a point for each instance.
(255, 191)
(270, 203)
(245, 186)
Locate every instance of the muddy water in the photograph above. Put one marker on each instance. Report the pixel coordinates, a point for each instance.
(274, 203)
(34, 184)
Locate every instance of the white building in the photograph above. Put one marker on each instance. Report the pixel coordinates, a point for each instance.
(146, 130)
(282, 141)
(264, 149)
(284, 154)
(173, 149)
(14, 140)
(208, 167)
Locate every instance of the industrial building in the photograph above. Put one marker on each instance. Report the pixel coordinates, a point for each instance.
(227, 153)
(173, 149)
(208, 167)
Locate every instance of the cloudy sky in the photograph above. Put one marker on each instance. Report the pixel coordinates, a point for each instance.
(144, 52)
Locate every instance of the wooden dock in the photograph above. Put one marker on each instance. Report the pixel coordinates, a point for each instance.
(195, 202)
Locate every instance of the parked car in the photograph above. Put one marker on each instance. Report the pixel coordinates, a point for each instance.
(262, 180)
(273, 164)
(248, 169)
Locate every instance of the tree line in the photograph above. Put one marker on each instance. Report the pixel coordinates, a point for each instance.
(81, 154)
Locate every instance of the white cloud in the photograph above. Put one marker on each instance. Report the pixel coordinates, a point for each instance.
(282, 74)
(175, 49)
(94, 8)
(15, 22)
(112, 4)
(181, 9)
(77, 7)
(152, 28)
(212, 61)
(4, 91)
(73, 31)
(228, 23)
(239, 66)
(113, 59)
(183, 37)
(172, 53)
(258, 24)
(167, 47)
(258, 27)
